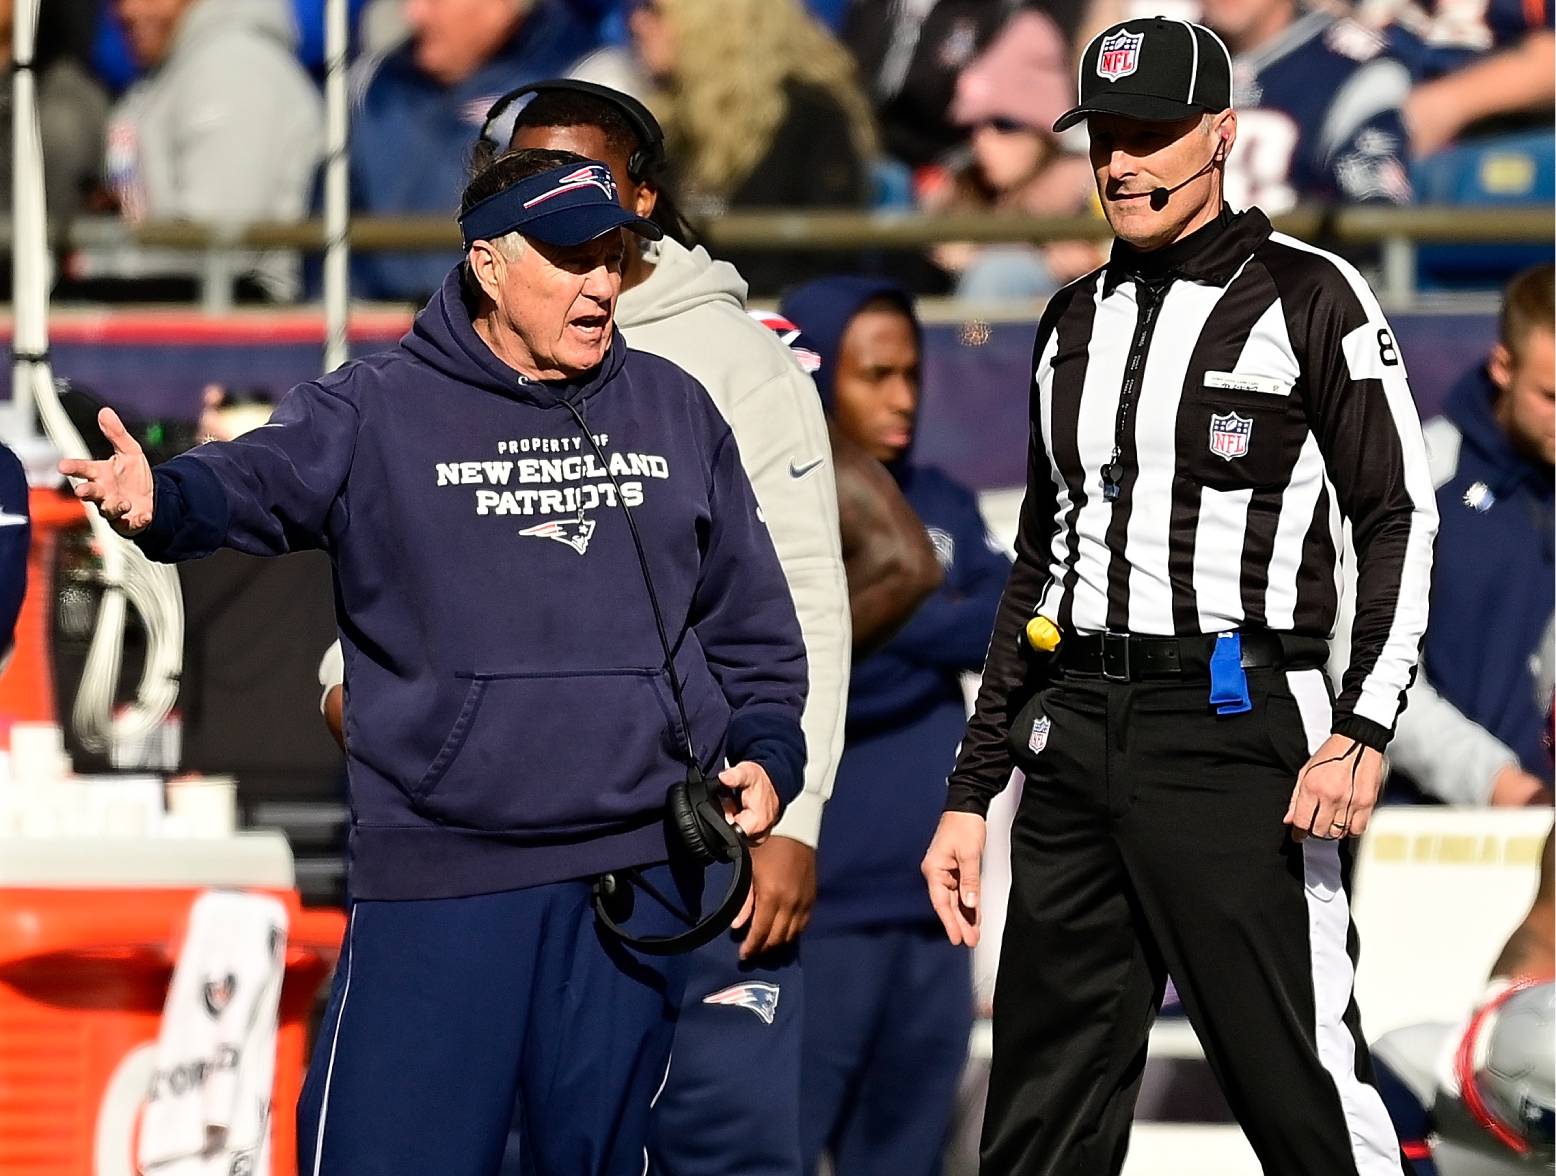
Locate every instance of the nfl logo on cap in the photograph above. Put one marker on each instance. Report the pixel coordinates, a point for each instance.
(1229, 434)
(1119, 55)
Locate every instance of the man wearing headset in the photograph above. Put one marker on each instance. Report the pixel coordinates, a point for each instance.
(524, 518)
(1206, 411)
(744, 995)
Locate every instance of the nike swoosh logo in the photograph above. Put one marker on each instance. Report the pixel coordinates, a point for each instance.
(799, 471)
(11, 520)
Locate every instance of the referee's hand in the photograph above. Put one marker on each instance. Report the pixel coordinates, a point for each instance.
(1336, 791)
(951, 869)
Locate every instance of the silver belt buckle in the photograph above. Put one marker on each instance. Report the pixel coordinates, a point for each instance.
(1115, 657)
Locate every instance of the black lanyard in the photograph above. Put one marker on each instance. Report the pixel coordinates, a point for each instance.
(1149, 293)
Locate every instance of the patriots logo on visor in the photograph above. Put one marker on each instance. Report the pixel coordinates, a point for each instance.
(758, 996)
(576, 533)
(589, 176)
(1119, 55)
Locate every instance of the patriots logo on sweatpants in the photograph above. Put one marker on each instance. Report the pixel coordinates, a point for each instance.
(757, 995)
(576, 533)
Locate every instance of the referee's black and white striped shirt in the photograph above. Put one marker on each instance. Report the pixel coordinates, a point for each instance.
(1272, 405)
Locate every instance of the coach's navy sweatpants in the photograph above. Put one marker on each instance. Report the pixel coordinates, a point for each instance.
(447, 1013)
(731, 1104)
(884, 1048)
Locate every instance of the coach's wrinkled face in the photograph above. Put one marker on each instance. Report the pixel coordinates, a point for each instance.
(1131, 158)
(557, 303)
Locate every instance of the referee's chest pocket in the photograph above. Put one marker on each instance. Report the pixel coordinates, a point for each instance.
(1239, 438)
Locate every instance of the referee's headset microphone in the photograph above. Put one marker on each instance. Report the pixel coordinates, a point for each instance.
(1159, 196)
(696, 816)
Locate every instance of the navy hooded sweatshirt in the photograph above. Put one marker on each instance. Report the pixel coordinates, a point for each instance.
(509, 721)
(906, 710)
(1492, 578)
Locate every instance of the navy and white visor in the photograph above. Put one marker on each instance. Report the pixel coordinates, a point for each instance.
(564, 206)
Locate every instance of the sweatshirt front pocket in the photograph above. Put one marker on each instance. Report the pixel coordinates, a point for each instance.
(549, 753)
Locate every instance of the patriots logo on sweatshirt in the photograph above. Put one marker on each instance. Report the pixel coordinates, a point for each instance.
(217, 993)
(757, 995)
(576, 533)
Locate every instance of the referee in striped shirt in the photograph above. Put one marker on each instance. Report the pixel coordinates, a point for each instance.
(1208, 410)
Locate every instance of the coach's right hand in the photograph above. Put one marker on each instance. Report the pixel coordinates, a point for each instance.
(121, 486)
(951, 869)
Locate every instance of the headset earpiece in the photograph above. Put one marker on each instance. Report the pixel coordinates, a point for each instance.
(644, 163)
(698, 820)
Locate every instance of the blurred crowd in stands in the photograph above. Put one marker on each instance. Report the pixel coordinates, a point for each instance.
(212, 111)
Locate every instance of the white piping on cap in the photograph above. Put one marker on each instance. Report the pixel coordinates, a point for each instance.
(1080, 68)
(1194, 68)
(1225, 52)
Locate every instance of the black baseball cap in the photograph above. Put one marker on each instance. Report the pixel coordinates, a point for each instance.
(1154, 69)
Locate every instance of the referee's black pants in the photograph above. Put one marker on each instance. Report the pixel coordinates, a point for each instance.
(1149, 842)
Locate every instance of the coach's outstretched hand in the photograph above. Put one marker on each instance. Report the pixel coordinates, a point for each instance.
(951, 868)
(1336, 791)
(121, 486)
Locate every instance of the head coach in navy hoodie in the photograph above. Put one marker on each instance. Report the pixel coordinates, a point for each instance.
(511, 729)
(882, 1055)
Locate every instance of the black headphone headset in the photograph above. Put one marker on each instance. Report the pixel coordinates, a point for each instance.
(645, 163)
(696, 816)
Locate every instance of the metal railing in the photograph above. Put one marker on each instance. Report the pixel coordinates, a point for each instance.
(1395, 231)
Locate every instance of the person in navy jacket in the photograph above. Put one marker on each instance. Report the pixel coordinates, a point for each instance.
(1473, 733)
(884, 1051)
(509, 717)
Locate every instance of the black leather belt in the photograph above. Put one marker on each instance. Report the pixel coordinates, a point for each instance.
(1125, 657)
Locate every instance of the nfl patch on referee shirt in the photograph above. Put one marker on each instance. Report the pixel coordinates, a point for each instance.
(1039, 737)
(1230, 435)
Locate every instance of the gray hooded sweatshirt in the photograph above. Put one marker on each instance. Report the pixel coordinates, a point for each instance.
(691, 311)
(228, 129)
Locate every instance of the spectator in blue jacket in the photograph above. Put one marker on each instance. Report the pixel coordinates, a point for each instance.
(884, 1049)
(1473, 731)
(422, 105)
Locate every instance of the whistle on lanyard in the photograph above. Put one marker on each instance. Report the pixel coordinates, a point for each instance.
(1228, 682)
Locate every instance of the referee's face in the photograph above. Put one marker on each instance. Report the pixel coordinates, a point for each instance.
(1132, 158)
